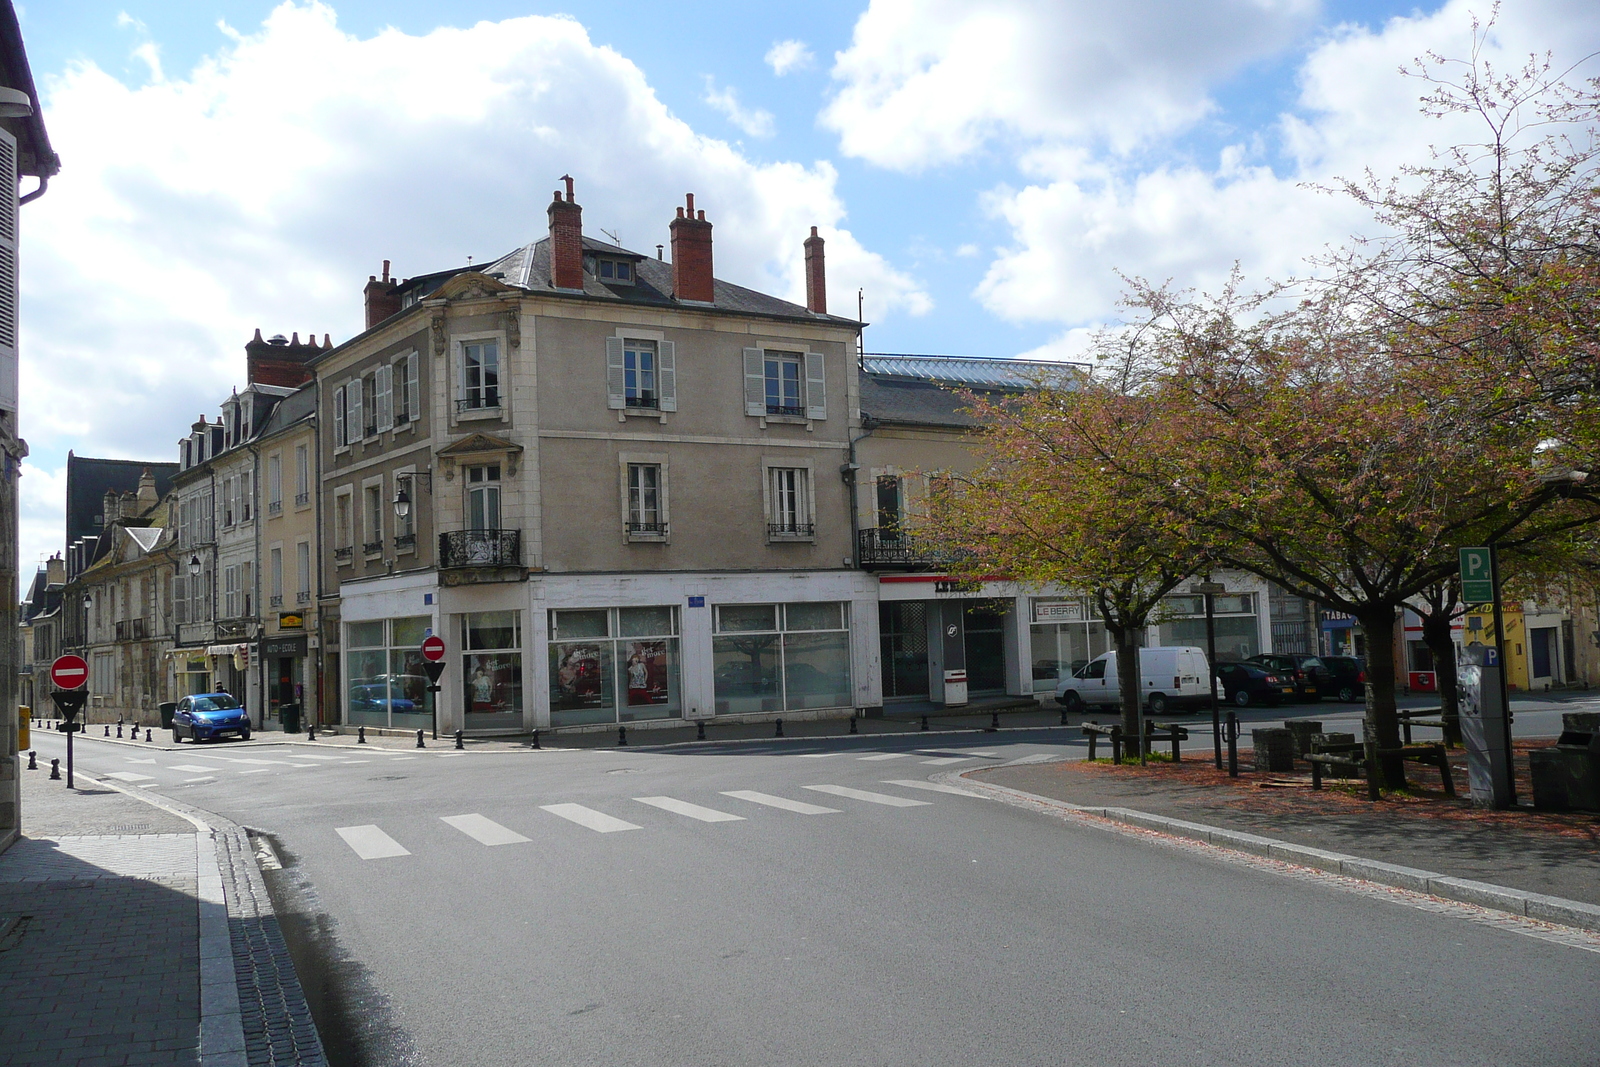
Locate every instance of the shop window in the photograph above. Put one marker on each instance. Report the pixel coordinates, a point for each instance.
(491, 669)
(1063, 640)
(614, 665)
(781, 657)
(387, 685)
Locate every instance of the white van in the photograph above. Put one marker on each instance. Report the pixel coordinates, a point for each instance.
(1173, 676)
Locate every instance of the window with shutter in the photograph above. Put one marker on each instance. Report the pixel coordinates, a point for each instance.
(352, 414)
(413, 396)
(385, 404)
(339, 438)
(667, 376)
(616, 383)
(755, 383)
(8, 272)
(816, 386)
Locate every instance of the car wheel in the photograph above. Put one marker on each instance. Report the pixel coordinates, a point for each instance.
(1347, 693)
(1242, 698)
(244, 735)
(1158, 703)
(177, 739)
(1072, 702)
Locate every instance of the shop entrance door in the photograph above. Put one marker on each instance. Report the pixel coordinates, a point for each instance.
(282, 689)
(903, 633)
(986, 649)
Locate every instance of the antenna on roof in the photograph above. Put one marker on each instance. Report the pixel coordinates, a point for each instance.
(614, 238)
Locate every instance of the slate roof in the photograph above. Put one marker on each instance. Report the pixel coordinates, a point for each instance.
(528, 268)
(912, 403)
(296, 407)
(87, 482)
(921, 390)
(975, 371)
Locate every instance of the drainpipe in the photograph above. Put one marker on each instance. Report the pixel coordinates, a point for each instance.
(848, 473)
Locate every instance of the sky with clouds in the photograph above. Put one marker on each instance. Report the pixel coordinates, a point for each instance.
(985, 172)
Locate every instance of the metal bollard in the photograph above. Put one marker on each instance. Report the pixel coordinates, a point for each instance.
(361, 735)
(148, 736)
(924, 725)
(33, 760)
(108, 729)
(1116, 744)
(459, 745)
(311, 731)
(536, 739)
(994, 723)
(419, 740)
(1233, 745)
(622, 735)
(779, 731)
(55, 770)
(119, 729)
(700, 730)
(852, 724)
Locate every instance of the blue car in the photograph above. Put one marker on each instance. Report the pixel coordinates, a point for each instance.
(208, 715)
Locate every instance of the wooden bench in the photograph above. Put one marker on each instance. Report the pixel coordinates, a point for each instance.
(1170, 731)
(1344, 757)
(1408, 719)
(1113, 733)
(1152, 732)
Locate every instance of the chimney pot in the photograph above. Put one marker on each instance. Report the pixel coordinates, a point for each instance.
(816, 275)
(381, 298)
(691, 255)
(566, 240)
(386, 270)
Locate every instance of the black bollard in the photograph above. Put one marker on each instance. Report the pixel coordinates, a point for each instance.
(622, 735)
(148, 736)
(361, 735)
(779, 731)
(536, 739)
(1063, 715)
(55, 770)
(33, 760)
(108, 729)
(1233, 745)
(419, 740)
(311, 732)
(700, 730)
(852, 724)
(119, 729)
(994, 723)
(459, 745)
(924, 725)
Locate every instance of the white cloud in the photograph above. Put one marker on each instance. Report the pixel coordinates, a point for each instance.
(1085, 217)
(753, 121)
(262, 188)
(926, 82)
(786, 56)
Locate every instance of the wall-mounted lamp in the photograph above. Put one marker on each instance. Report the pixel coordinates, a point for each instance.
(403, 484)
(194, 566)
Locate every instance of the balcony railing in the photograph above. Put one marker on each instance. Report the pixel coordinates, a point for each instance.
(343, 555)
(790, 531)
(405, 541)
(892, 549)
(302, 598)
(647, 529)
(302, 499)
(480, 548)
(372, 548)
(274, 507)
(487, 402)
(277, 601)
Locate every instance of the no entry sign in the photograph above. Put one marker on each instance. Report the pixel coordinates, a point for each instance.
(433, 648)
(69, 672)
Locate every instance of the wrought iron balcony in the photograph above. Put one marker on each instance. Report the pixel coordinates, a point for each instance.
(405, 541)
(647, 530)
(277, 601)
(791, 531)
(343, 555)
(893, 549)
(468, 556)
(372, 548)
(302, 598)
(302, 499)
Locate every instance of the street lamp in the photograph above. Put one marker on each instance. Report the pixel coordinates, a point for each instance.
(194, 566)
(402, 504)
(1210, 590)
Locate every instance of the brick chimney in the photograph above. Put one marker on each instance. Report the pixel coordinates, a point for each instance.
(55, 571)
(816, 276)
(382, 298)
(691, 255)
(280, 362)
(566, 240)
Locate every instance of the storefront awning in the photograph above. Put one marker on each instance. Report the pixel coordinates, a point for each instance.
(227, 650)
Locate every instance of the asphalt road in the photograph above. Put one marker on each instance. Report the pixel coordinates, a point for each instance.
(559, 918)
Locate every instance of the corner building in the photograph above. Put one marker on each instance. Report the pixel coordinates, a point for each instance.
(612, 483)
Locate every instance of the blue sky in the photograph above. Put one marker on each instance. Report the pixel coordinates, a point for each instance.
(982, 170)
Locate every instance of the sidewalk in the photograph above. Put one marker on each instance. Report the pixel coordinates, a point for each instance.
(1535, 852)
(129, 935)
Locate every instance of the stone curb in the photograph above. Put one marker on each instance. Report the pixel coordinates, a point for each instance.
(1539, 906)
(222, 1037)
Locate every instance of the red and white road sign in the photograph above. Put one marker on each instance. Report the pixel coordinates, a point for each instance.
(69, 672)
(432, 648)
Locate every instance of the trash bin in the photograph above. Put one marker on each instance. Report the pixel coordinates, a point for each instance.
(1566, 777)
(24, 735)
(289, 716)
(168, 708)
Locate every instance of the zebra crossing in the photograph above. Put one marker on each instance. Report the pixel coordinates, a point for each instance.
(371, 842)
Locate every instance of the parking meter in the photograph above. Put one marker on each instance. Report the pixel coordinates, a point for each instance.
(1483, 731)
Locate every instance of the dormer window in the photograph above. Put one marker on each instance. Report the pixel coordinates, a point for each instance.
(616, 271)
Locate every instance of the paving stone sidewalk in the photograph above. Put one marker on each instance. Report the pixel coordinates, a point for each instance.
(128, 937)
(1529, 853)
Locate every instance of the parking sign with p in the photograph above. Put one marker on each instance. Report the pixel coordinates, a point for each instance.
(1477, 576)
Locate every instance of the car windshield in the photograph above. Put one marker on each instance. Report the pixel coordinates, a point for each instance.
(218, 702)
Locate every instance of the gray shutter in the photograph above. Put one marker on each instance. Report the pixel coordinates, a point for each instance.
(616, 386)
(816, 386)
(667, 376)
(8, 271)
(354, 416)
(383, 381)
(755, 382)
(413, 397)
(338, 418)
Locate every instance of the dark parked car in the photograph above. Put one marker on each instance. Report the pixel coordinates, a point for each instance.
(1245, 684)
(1310, 676)
(1349, 677)
(208, 715)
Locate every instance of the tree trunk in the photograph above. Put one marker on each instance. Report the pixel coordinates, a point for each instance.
(1436, 635)
(1381, 727)
(1129, 686)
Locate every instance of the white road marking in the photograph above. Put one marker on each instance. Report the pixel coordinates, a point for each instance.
(258, 762)
(693, 811)
(257, 770)
(207, 778)
(815, 755)
(945, 761)
(871, 798)
(885, 755)
(130, 759)
(357, 761)
(371, 843)
(305, 764)
(128, 776)
(799, 807)
(308, 756)
(194, 768)
(482, 830)
(598, 821)
(397, 759)
(1038, 757)
(935, 787)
